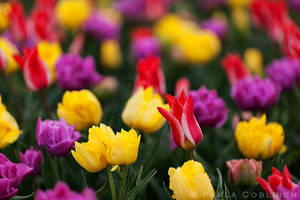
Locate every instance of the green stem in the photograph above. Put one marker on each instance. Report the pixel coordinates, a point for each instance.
(191, 154)
(123, 182)
(112, 184)
(45, 104)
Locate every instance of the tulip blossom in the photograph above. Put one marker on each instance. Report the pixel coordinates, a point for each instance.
(259, 140)
(141, 112)
(36, 73)
(182, 84)
(33, 159)
(18, 22)
(253, 59)
(57, 136)
(191, 182)
(110, 54)
(81, 108)
(62, 191)
(8, 50)
(244, 172)
(2, 60)
(185, 129)
(11, 176)
(276, 181)
(149, 74)
(234, 68)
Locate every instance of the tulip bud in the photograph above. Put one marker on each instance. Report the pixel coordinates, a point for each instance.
(9, 50)
(33, 159)
(110, 54)
(185, 129)
(191, 182)
(244, 172)
(182, 84)
(106, 87)
(81, 108)
(253, 59)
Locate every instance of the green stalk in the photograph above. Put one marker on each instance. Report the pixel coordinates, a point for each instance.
(125, 168)
(112, 184)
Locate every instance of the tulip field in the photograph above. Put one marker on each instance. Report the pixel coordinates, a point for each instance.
(149, 99)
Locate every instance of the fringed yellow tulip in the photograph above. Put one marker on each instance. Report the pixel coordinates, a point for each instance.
(190, 182)
(81, 108)
(49, 52)
(9, 49)
(110, 54)
(9, 129)
(253, 59)
(105, 148)
(122, 148)
(259, 140)
(72, 13)
(141, 111)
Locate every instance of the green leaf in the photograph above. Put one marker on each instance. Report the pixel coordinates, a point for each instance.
(100, 190)
(50, 171)
(84, 183)
(167, 191)
(23, 197)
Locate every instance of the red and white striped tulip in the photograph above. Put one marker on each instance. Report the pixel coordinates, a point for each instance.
(185, 129)
(36, 72)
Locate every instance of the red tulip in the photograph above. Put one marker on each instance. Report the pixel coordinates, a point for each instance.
(275, 180)
(36, 74)
(18, 22)
(141, 32)
(182, 84)
(234, 68)
(149, 73)
(185, 129)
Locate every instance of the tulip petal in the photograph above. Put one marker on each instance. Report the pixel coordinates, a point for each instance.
(287, 180)
(176, 129)
(189, 123)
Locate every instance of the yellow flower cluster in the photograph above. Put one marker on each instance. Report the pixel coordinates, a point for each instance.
(72, 13)
(141, 111)
(4, 19)
(81, 108)
(191, 182)
(9, 50)
(105, 148)
(49, 52)
(9, 129)
(195, 45)
(259, 140)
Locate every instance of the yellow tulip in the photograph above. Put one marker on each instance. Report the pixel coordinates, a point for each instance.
(72, 13)
(191, 182)
(238, 3)
(259, 140)
(9, 129)
(49, 52)
(9, 49)
(253, 59)
(4, 19)
(122, 148)
(110, 54)
(241, 19)
(141, 111)
(81, 108)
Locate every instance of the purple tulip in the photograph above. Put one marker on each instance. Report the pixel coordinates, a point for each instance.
(102, 27)
(131, 9)
(33, 159)
(57, 136)
(75, 73)
(286, 194)
(209, 109)
(11, 176)
(62, 192)
(284, 72)
(144, 46)
(219, 27)
(253, 93)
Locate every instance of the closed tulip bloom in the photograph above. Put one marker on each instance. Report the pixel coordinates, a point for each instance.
(218, 26)
(62, 191)
(32, 158)
(81, 108)
(244, 172)
(36, 72)
(110, 54)
(9, 129)
(191, 182)
(253, 59)
(4, 19)
(185, 129)
(182, 84)
(141, 113)
(57, 136)
(259, 140)
(7, 191)
(122, 148)
(9, 50)
(72, 14)
(49, 52)
(91, 155)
